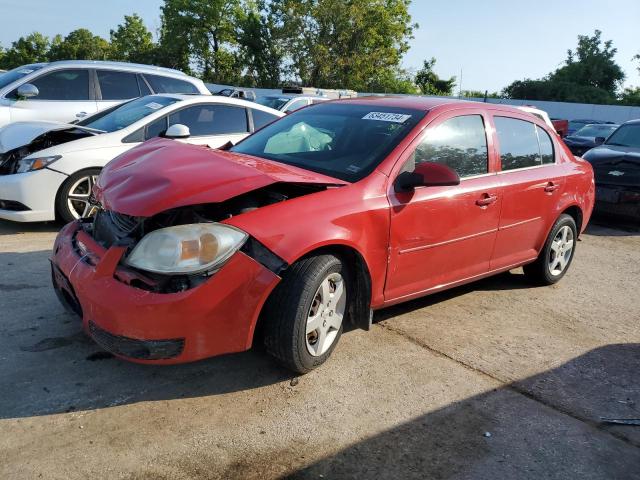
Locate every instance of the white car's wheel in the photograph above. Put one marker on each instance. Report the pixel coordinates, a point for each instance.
(73, 198)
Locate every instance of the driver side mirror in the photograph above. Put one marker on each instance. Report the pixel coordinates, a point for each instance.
(599, 140)
(28, 90)
(427, 174)
(177, 131)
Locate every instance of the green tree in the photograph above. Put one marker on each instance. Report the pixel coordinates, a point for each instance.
(344, 44)
(260, 49)
(131, 41)
(209, 28)
(30, 49)
(430, 83)
(80, 44)
(589, 75)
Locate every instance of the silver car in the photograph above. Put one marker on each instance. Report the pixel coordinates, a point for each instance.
(70, 90)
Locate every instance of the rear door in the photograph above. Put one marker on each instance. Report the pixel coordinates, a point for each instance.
(64, 95)
(531, 185)
(213, 124)
(442, 235)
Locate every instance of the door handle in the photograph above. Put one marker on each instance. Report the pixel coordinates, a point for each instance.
(551, 187)
(486, 200)
(81, 114)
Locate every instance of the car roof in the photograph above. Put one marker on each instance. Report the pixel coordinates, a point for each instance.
(427, 103)
(195, 98)
(111, 64)
(632, 122)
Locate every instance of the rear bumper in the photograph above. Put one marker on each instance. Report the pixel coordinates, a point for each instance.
(36, 191)
(216, 317)
(615, 201)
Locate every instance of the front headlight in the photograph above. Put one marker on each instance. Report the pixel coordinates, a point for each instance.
(38, 163)
(192, 248)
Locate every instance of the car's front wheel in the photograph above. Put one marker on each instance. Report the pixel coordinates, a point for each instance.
(556, 255)
(73, 197)
(304, 315)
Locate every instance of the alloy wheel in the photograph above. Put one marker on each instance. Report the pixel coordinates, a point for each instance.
(79, 193)
(326, 314)
(561, 250)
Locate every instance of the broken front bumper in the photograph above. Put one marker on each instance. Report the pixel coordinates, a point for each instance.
(218, 316)
(30, 196)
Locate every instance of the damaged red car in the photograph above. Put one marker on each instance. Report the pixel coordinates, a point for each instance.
(312, 223)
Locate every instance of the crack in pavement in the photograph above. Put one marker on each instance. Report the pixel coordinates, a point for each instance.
(509, 384)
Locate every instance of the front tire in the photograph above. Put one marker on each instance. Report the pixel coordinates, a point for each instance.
(305, 314)
(73, 196)
(555, 258)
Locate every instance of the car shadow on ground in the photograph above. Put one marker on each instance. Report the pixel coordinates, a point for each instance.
(545, 426)
(13, 228)
(606, 227)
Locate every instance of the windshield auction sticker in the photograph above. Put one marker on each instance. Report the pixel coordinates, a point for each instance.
(387, 117)
(153, 105)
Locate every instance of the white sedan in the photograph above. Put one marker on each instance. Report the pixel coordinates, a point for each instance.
(47, 169)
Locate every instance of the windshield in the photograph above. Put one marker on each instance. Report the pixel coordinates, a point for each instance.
(595, 130)
(127, 113)
(626, 136)
(274, 102)
(17, 73)
(342, 140)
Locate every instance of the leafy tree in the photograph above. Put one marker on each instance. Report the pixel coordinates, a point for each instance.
(631, 96)
(343, 44)
(479, 94)
(131, 41)
(209, 29)
(80, 44)
(589, 75)
(260, 47)
(30, 49)
(430, 83)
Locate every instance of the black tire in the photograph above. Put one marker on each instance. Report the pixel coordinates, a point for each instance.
(539, 272)
(287, 310)
(63, 212)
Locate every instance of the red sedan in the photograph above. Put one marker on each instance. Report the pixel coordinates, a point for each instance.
(314, 221)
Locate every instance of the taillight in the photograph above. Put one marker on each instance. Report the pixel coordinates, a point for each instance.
(630, 197)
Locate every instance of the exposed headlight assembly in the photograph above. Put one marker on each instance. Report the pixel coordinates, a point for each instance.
(37, 163)
(192, 248)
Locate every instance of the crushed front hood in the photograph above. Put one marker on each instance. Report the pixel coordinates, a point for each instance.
(163, 174)
(19, 134)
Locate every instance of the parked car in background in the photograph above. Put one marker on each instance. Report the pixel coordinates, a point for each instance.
(588, 137)
(559, 126)
(577, 124)
(313, 221)
(288, 103)
(47, 169)
(616, 164)
(243, 93)
(70, 90)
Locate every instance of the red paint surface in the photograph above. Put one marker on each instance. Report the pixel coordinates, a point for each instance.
(412, 243)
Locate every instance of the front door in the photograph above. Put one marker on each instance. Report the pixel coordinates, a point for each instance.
(64, 96)
(442, 235)
(213, 125)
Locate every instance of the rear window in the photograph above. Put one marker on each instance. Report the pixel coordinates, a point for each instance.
(162, 84)
(118, 85)
(342, 140)
(626, 136)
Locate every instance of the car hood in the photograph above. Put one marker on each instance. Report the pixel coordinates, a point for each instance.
(19, 134)
(163, 174)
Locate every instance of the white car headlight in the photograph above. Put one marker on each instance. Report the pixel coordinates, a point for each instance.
(37, 163)
(192, 248)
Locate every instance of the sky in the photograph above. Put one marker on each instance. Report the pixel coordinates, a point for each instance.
(485, 44)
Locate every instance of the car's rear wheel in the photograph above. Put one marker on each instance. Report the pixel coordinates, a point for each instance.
(304, 315)
(73, 198)
(556, 255)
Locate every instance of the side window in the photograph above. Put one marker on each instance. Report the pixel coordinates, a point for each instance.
(63, 85)
(546, 146)
(212, 119)
(459, 143)
(169, 85)
(518, 143)
(296, 105)
(118, 85)
(156, 128)
(260, 118)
